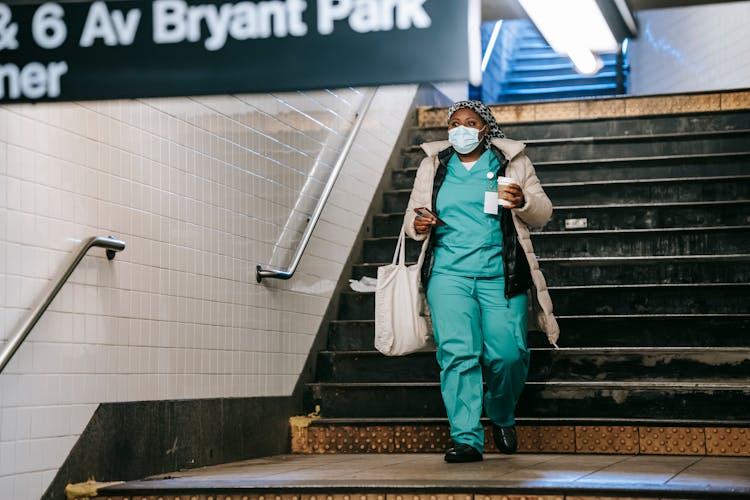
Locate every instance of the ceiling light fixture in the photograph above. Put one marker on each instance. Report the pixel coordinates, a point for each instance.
(581, 29)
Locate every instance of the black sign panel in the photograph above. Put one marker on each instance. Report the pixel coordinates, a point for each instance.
(118, 49)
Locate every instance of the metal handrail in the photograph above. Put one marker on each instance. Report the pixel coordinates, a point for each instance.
(261, 273)
(110, 244)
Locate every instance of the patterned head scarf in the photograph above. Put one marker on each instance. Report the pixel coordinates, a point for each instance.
(493, 130)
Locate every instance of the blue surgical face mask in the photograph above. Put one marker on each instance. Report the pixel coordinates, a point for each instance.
(464, 139)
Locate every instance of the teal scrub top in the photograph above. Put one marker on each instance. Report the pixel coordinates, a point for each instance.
(471, 242)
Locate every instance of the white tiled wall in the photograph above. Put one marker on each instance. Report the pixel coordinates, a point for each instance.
(201, 189)
(691, 49)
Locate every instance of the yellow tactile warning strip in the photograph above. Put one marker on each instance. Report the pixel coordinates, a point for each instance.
(585, 109)
(350, 439)
(727, 441)
(546, 439)
(421, 438)
(627, 440)
(518, 497)
(607, 439)
(673, 440)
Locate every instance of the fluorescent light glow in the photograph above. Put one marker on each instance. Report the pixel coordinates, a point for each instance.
(491, 45)
(585, 61)
(475, 42)
(571, 25)
(627, 16)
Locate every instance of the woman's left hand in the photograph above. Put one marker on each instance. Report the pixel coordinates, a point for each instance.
(512, 193)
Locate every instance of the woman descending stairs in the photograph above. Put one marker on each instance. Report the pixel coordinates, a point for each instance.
(648, 261)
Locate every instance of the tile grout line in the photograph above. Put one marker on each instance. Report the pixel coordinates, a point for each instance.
(698, 459)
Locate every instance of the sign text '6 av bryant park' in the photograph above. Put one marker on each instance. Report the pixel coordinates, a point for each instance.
(118, 49)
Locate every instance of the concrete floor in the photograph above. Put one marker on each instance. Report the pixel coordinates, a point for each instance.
(649, 475)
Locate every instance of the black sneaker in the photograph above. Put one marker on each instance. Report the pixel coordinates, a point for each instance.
(462, 453)
(505, 438)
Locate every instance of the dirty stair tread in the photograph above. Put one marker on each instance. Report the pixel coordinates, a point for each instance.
(623, 138)
(531, 421)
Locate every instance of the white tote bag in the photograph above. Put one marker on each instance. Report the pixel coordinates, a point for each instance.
(401, 323)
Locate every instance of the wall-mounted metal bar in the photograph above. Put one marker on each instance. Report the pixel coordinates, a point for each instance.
(261, 273)
(111, 245)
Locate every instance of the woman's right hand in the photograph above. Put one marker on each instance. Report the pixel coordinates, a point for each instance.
(423, 224)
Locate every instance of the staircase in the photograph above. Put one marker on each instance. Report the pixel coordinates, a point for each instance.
(651, 295)
(533, 71)
(652, 299)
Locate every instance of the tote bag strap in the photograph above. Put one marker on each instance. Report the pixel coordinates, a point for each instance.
(399, 255)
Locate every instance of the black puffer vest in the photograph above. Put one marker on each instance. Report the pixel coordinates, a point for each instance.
(515, 265)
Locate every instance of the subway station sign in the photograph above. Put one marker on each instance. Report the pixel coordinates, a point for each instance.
(118, 49)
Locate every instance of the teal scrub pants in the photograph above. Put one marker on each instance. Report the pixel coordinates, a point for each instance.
(475, 326)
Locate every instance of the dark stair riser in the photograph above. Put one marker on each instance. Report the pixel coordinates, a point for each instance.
(542, 400)
(654, 168)
(666, 299)
(624, 148)
(627, 244)
(681, 145)
(534, 49)
(651, 192)
(549, 365)
(605, 128)
(653, 217)
(562, 273)
(621, 217)
(554, 59)
(566, 92)
(572, 273)
(659, 331)
(564, 80)
(688, 190)
(596, 244)
(551, 57)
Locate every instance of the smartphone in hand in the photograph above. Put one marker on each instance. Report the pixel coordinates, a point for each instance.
(426, 212)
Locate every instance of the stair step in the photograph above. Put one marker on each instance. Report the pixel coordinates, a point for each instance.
(556, 96)
(625, 192)
(632, 330)
(629, 191)
(701, 364)
(576, 78)
(645, 168)
(389, 461)
(654, 215)
(622, 216)
(659, 167)
(724, 141)
(713, 298)
(685, 189)
(731, 240)
(668, 124)
(640, 242)
(520, 63)
(531, 422)
(538, 48)
(614, 400)
(542, 69)
(668, 269)
(643, 146)
(560, 91)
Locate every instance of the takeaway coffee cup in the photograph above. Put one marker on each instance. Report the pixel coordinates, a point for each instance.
(504, 181)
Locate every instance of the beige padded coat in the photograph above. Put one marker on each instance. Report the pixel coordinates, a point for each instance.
(535, 213)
